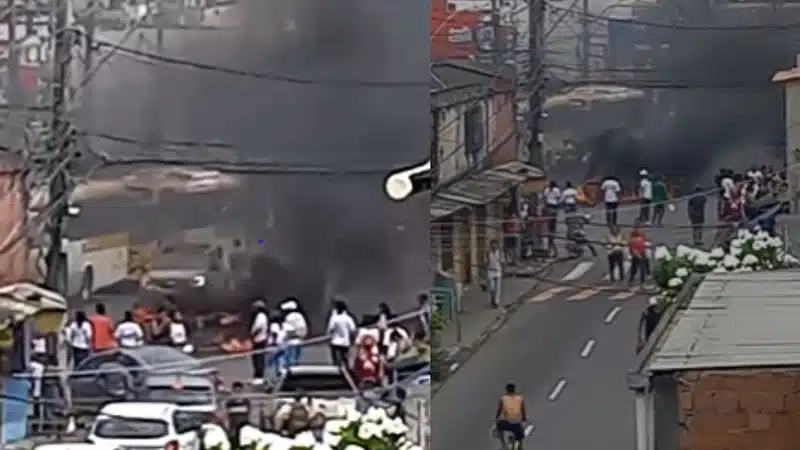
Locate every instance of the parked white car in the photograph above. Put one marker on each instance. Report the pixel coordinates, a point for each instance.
(146, 426)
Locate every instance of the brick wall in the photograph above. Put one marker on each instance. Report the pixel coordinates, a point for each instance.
(740, 410)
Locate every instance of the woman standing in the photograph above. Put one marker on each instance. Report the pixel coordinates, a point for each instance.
(179, 333)
(296, 328)
(259, 335)
(79, 337)
(616, 254)
(128, 333)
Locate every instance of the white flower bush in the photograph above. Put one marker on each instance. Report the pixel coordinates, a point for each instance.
(374, 430)
(748, 252)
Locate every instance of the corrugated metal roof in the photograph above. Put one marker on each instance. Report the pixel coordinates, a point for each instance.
(733, 321)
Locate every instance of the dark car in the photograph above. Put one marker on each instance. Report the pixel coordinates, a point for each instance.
(122, 374)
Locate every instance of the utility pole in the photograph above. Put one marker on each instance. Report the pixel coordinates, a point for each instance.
(59, 147)
(156, 129)
(90, 27)
(536, 10)
(498, 49)
(586, 40)
(15, 98)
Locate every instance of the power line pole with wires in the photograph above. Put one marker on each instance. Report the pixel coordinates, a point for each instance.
(586, 40)
(156, 127)
(536, 15)
(59, 148)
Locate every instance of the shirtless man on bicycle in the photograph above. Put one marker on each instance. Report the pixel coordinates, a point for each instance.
(511, 415)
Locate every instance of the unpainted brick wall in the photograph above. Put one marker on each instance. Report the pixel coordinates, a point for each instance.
(756, 409)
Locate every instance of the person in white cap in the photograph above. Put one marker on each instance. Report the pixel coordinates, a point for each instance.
(295, 325)
(645, 196)
(648, 322)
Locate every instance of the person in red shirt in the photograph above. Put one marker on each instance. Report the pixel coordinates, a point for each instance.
(637, 247)
(102, 329)
(368, 364)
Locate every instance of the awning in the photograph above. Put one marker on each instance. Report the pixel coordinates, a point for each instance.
(481, 188)
(19, 301)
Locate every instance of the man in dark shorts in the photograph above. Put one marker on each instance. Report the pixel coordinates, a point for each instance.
(648, 322)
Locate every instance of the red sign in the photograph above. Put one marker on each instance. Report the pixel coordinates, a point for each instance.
(453, 34)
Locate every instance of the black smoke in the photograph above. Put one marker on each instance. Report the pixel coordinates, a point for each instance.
(333, 233)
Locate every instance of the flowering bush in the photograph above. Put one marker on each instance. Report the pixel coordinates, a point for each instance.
(374, 430)
(748, 252)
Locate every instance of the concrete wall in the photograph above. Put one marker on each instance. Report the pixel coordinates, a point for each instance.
(740, 409)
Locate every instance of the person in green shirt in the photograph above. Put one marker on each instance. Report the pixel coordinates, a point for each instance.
(660, 200)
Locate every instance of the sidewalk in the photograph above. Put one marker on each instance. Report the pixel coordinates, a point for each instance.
(477, 320)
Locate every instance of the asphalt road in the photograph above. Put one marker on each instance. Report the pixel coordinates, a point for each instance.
(568, 350)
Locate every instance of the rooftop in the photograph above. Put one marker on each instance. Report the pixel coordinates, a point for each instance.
(734, 321)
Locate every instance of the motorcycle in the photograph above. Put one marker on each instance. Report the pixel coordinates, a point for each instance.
(576, 238)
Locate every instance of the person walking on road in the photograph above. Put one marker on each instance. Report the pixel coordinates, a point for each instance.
(569, 198)
(341, 330)
(660, 200)
(494, 273)
(648, 322)
(552, 202)
(696, 209)
(616, 255)
(611, 190)
(645, 196)
(637, 248)
(259, 336)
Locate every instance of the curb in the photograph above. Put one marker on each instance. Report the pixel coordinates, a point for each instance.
(456, 359)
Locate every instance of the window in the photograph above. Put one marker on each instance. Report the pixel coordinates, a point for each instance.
(474, 139)
(130, 428)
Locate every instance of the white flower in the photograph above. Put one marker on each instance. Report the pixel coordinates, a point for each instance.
(674, 282)
(376, 415)
(252, 436)
(681, 272)
(763, 236)
(737, 243)
(743, 270)
(354, 447)
(720, 269)
(321, 446)
(395, 427)
(662, 254)
(749, 260)
(368, 430)
(759, 245)
(351, 413)
(730, 261)
(215, 437)
(335, 426)
(717, 252)
(790, 260)
(305, 439)
(744, 233)
(736, 251)
(683, 251)
(702, 259)
(775, 242)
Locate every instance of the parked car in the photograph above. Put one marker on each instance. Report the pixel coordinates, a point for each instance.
(146, 425)
(132, 374)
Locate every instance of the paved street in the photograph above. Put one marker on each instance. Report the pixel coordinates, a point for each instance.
(567, 349)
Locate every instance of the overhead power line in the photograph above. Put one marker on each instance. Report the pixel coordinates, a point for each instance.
(342, 83)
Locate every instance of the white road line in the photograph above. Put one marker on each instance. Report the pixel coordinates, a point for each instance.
(623, 295)
(584, 295)
(548, 294)
(528, 430)
(626, 267)
(579, 271)
(557, 389)
(613, 314)
(587, 348)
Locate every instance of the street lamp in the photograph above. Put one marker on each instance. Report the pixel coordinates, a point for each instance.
(404, 183)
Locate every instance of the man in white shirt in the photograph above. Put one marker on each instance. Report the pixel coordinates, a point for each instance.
(611, 190)
(645, 196)
(341, 330)
(494, 273)
(296, 327)
(569, 198)
(259, 336)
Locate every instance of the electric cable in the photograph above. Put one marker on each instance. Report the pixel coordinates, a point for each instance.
(674, 26)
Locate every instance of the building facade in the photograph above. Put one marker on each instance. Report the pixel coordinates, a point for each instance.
(476, 167)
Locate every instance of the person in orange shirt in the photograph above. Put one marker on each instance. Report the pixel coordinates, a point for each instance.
(102, 329)
(637, 247)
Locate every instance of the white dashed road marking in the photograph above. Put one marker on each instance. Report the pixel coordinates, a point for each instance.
(548, 294)
(623, 295)
(587, 348)
(584, 295)
(612, 314)
(580, 270)
(557, 389)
